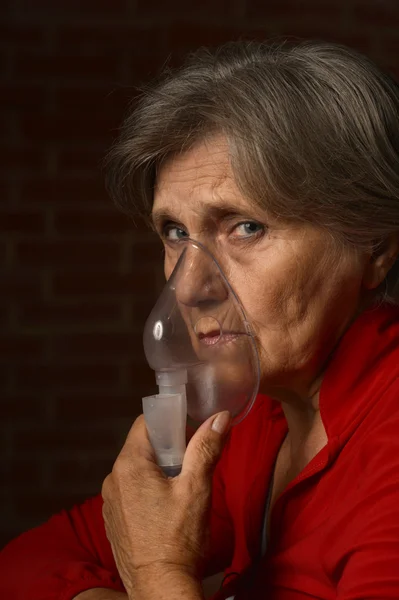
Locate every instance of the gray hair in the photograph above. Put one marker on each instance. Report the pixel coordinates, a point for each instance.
(313, 130)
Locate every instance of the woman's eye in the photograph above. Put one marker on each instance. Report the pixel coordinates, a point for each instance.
(247, 229)
(172, 233)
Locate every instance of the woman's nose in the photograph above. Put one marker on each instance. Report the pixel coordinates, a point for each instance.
(199, 281)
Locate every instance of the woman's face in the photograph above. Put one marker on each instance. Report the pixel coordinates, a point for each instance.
(299, 293)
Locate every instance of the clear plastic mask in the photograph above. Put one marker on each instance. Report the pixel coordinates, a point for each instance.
(197, 336)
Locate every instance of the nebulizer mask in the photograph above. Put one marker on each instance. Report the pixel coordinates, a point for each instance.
(200, 345)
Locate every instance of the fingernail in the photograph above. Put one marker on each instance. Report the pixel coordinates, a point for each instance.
(221, 422)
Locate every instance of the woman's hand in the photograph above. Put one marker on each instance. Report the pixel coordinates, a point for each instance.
(157, 526)
(100, 594)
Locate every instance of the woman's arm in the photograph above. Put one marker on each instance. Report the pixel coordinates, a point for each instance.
(61, 558)
(369, 569)
(363, 557)
(70, 555)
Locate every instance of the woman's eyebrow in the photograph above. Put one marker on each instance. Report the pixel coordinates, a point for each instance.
(160, 216)
(213, 212)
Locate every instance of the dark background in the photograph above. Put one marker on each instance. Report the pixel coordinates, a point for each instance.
(77, 279)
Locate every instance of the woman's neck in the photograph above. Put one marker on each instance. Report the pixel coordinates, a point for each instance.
(306, 433)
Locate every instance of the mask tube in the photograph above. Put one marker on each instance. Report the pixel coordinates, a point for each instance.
(165, 416)
(200, 345)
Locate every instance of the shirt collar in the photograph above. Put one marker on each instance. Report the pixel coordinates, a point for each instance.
(363, 366)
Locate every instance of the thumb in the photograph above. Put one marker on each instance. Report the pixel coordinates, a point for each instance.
(206, 445)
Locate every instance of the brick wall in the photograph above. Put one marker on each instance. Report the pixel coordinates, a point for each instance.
(77, 278)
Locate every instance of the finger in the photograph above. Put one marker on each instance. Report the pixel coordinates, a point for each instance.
(138, 431)
(137, 445)
(138, 435)
(105, 489)
(206, 445)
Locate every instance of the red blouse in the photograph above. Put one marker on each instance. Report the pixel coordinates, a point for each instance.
(334, 530)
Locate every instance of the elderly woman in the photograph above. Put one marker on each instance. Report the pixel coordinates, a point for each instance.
(285, 161)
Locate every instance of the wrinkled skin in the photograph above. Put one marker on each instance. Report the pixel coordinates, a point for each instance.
(158, 526)
(300, 295)
(298, 291)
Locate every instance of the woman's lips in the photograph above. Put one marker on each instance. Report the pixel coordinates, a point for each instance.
(216, 337)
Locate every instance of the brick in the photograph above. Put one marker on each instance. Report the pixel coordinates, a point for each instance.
(21, 95)
(142, 306)
(86, 97)
(40, 505)
(4, 314)
(61, 190)
(5, 7)
(17, 159)
(21, 347)
(105, 283)
(111, 344)
(21, 34)
(4, 60)
(3, 255)
(384, 13)
(145, 68)
(4, 128)
(142, 41)
(71, 222)
(4, 444)
(393, 71)
(111, 97)
(68, 316)
(78, 407)
(4, 192)
(16, 285)
(17, 221)
(70, 472)
(294, 9)
(152, 249)
(389, 51)
(69, 253)
(179, 7)
(80, 160)
(93, 8)
(102, 67)
(185, 37)
(60, 377)
(92, 127)
(5, 377)
(72, 440)
(21, 407)
(20, 473)
(146, 379)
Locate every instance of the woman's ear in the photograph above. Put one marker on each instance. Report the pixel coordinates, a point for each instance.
(380, 262)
